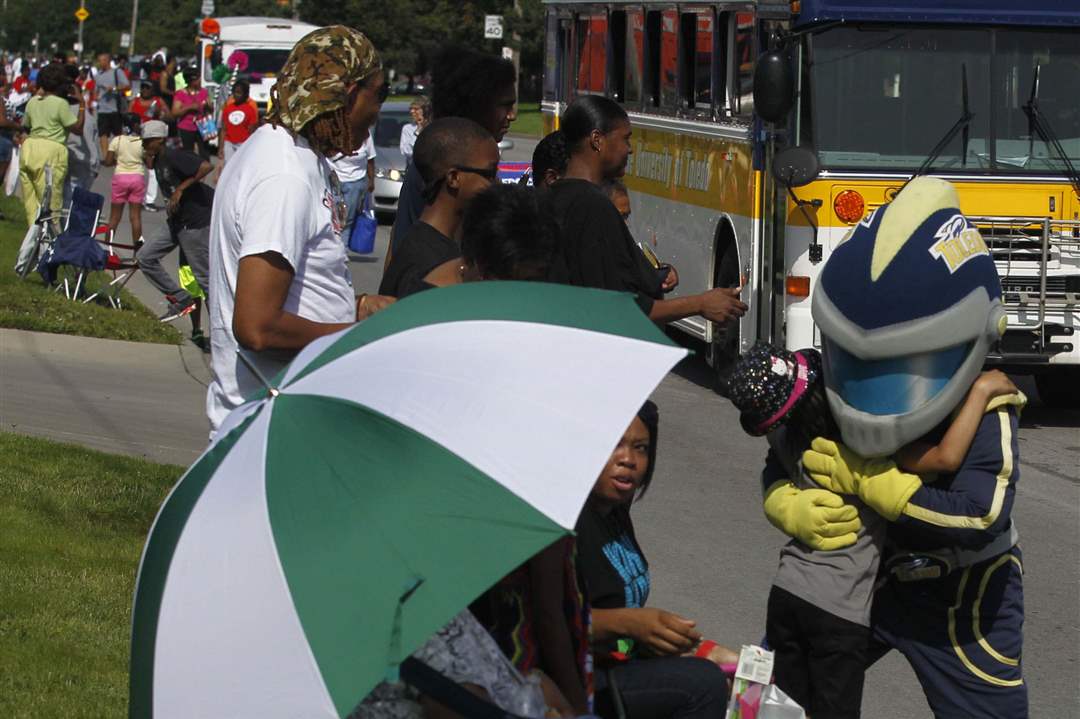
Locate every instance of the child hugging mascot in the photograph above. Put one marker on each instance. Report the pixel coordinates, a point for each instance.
(908, 307)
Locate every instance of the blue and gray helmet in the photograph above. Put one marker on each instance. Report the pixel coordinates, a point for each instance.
(908, 306)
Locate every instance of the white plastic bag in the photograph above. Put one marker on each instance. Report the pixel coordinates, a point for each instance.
(11, 179)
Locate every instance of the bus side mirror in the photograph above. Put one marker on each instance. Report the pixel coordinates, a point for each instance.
(796, 166)
(774, 86)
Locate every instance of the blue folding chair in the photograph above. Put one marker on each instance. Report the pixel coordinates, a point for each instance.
(76, 246)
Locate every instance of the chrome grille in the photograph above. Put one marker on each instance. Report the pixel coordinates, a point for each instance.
(1038, 260)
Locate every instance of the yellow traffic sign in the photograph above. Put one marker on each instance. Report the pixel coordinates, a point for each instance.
(81, 14)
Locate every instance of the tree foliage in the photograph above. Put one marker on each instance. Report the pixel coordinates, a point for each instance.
(408, 33)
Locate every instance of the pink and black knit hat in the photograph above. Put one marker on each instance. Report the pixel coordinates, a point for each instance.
(769, 383)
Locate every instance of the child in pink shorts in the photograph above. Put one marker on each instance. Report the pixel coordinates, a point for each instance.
(128, 181)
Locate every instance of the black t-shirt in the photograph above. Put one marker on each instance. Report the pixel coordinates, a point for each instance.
(421, 251)
(173, 167)
(611, 561)
(598, 249)
(410, 205)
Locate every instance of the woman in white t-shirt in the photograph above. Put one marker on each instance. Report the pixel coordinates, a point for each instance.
(279, 272)
(125, 153)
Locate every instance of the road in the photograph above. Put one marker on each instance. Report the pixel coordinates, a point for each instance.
(711, 551)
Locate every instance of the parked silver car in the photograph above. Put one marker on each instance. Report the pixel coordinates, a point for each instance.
(389, 162)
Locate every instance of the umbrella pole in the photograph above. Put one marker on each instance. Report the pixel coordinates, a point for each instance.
(272, 391)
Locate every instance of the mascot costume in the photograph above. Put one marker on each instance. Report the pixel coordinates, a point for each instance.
(908, 307)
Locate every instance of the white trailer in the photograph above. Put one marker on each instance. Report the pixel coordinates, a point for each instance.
(266, 41)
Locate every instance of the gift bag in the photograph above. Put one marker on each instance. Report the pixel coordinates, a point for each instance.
(208, 128)
(11, 178)
(362, 237)
(753, 695)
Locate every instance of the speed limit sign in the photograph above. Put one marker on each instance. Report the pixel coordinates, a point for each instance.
(493, 27)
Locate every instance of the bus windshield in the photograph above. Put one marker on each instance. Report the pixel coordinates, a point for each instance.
(266, 61)
(882, 97)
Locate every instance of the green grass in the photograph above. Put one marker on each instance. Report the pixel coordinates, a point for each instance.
(73, 526)
(529, 120)
(29, 305)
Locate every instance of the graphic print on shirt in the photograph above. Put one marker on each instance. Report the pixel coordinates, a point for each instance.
(627, 561)
(337, 212)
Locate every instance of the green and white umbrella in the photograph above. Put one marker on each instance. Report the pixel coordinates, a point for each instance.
(396, 470)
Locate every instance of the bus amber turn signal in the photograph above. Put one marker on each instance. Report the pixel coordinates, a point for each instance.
(849, 206)
(797, 286)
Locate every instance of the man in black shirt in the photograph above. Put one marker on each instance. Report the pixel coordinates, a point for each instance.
(466, 84)
(457, 159)
(179, 174)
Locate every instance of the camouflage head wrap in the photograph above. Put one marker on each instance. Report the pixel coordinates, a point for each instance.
(314, 77)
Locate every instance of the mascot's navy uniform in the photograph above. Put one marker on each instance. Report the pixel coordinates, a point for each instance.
(908, 306)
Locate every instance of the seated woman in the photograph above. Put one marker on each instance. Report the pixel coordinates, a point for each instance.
(464, 653)
(655, 659)
(536, 613)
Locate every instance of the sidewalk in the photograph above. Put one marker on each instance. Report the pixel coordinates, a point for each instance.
(136, 398)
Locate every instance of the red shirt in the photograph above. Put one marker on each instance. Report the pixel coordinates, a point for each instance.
(21, 84)
(152, 109)
(240, 121)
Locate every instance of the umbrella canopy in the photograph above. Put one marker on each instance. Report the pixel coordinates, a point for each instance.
(395, 471)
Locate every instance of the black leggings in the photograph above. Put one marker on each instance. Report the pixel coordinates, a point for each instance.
(669, 687)
(820, 658)
(192, 141)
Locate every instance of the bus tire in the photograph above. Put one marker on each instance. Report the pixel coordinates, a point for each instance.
(725, 345)
(1059, 387)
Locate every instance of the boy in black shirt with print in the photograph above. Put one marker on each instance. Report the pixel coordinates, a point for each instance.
(179, 174)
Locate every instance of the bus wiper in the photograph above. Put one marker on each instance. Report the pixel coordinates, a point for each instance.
(963, 123)
(1039, 125)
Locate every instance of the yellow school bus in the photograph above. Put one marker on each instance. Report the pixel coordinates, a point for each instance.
(858, 96)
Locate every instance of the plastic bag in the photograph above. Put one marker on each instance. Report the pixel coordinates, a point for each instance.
(186, 276)
(753, 696)
(11, 178)
(208, 128)
(362, 237)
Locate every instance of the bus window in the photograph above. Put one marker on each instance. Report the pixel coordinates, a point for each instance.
(745, 53)
(669, 58)
(652, 58)
(617, 28)
(628, 55)
(592, 53)
(698, 50)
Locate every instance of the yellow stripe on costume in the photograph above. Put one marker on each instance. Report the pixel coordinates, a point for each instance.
(990, 679)
(978, 603)
(939, 519)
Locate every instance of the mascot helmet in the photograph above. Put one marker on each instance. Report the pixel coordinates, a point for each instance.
(908, 306)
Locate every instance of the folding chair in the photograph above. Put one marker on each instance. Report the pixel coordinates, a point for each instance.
(122, 267)
(76, 246)
(42, 231)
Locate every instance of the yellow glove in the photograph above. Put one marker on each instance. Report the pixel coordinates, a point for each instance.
(878, 482)
(817, 518)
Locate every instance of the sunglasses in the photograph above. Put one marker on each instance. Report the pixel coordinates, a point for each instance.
(489, 173)
(383, 92)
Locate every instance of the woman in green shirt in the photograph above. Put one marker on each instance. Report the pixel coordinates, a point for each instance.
(48, 120)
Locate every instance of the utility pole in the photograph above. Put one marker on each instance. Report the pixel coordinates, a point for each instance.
(82, 7)
(134, 22)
